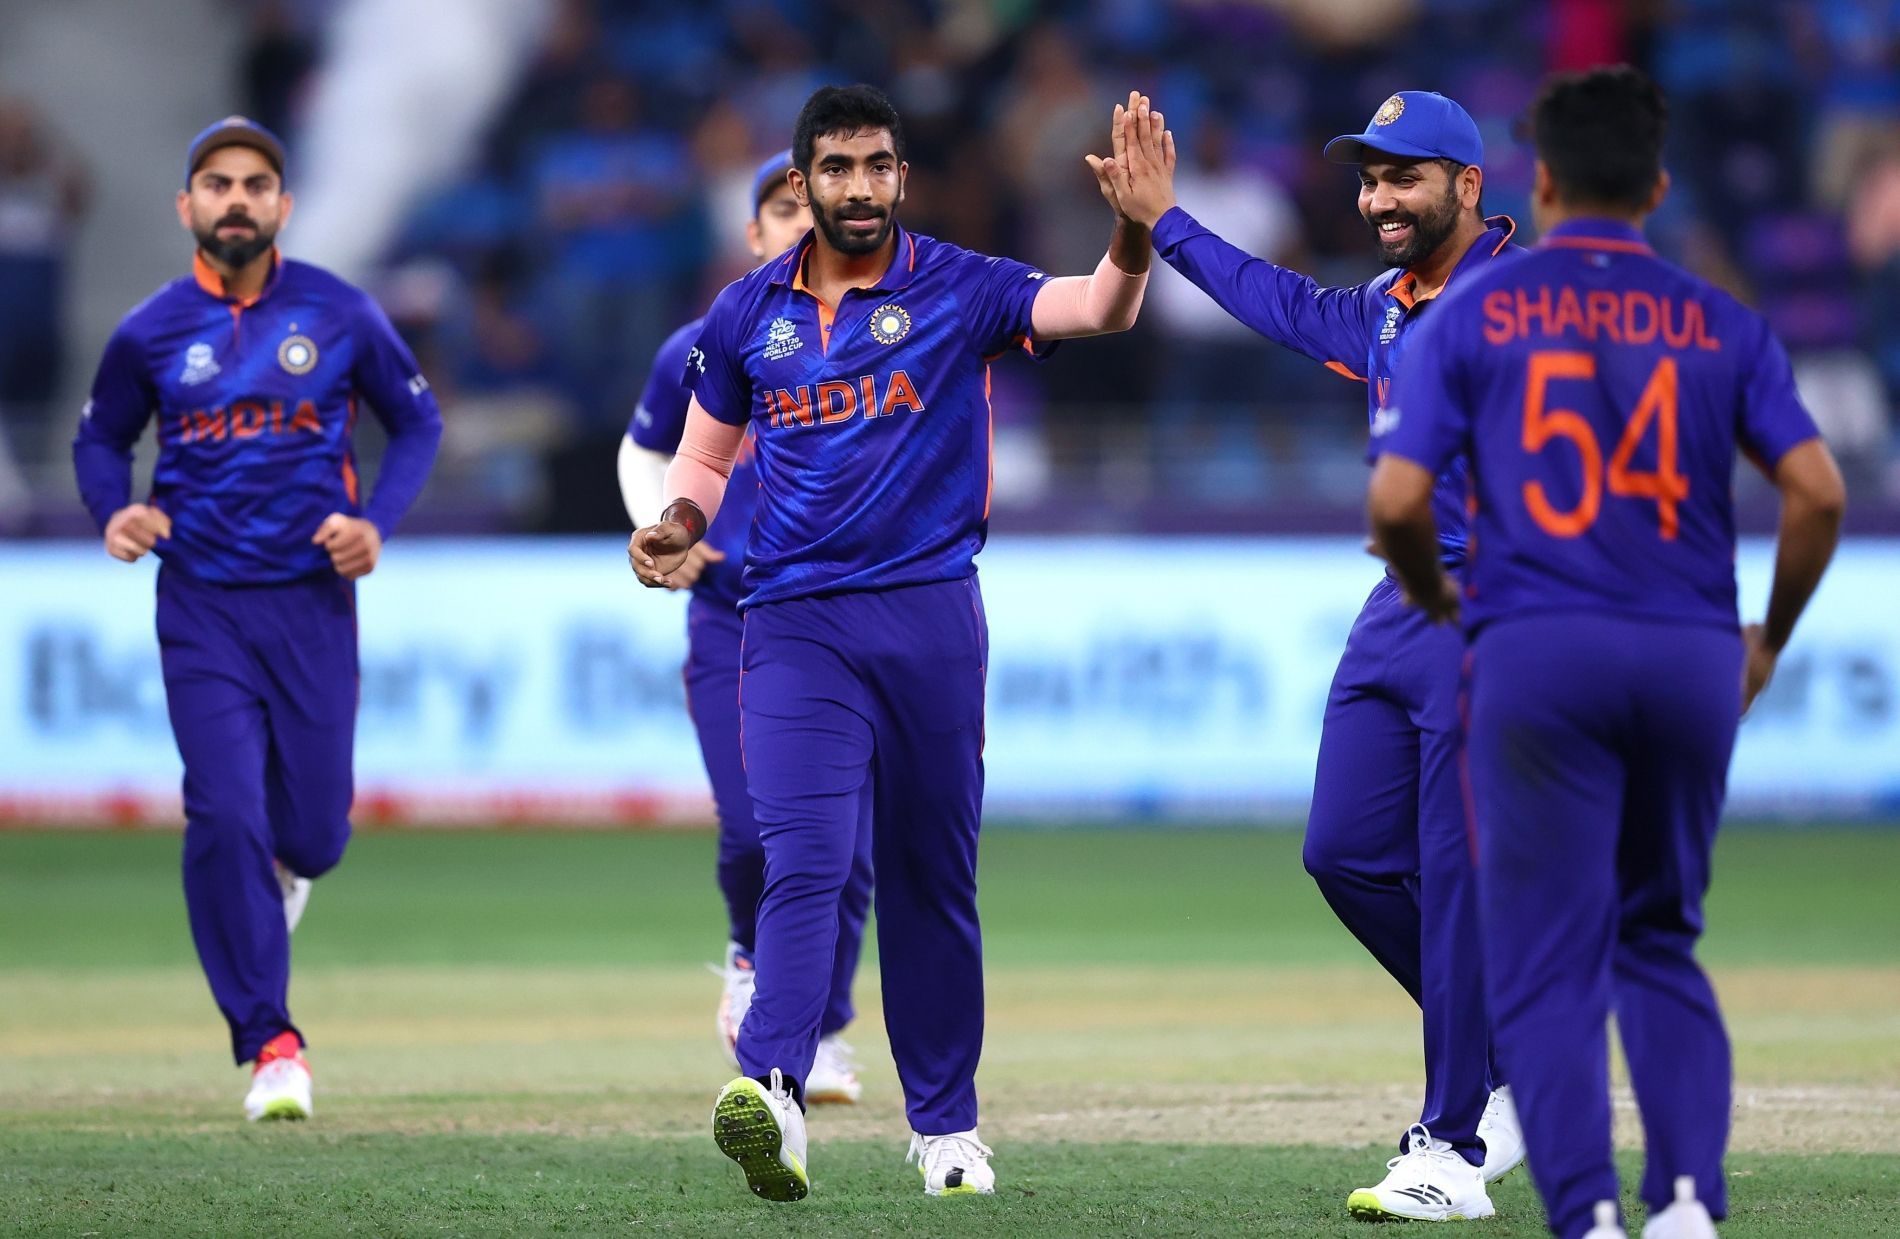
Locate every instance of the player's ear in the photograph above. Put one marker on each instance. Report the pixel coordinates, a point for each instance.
(285, 202)
(1658, 192)
(755, 238)
(184, 209)
(1543, 187)
(800, 190)
(903, 175)
(1471, 186)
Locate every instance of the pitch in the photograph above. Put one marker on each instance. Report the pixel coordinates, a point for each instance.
(513, 1032)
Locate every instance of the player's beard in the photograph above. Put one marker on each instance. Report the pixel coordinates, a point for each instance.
(856, 244)
(235, 251)
(1429, 230)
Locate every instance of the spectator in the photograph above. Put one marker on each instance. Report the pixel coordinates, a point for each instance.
(43, 195)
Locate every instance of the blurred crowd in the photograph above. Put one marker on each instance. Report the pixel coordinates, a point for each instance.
(605, 205)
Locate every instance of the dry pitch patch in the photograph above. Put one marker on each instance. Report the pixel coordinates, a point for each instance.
(1228, 1056)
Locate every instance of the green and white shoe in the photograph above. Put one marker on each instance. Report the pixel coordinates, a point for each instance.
(954, 1165)
(1431, 1182)
(764, 1131)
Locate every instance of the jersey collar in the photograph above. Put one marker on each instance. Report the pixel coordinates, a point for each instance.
(213, 283)
(1597, 234)
(1499, 229)
(790, 270)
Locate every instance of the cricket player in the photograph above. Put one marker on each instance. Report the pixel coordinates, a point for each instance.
(253, 366)
(1599, 395)
(711, 571)
(1385, 838)
(861, 361)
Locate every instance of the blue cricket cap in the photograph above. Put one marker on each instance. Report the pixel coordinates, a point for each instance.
(234, 131)
(770, 175)
(1413, 124)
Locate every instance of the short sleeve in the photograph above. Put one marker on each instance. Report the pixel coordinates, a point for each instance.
(714, 367)
(1772, 418)
(659, 419)
(1427, 420)
(999, 301)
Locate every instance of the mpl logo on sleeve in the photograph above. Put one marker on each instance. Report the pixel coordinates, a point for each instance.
(201, 365)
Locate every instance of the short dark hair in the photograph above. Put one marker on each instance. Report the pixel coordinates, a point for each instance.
(843, 110)
(1600, 132)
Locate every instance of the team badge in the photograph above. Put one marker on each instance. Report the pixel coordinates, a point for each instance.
(781, 340)
(1389, 111)
(297, 354)
(890, 323)
(200, 365)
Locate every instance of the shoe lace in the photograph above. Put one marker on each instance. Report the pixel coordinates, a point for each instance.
(1420, 1146)
(777, 1087)
(961, 1149)
(1494, 1107)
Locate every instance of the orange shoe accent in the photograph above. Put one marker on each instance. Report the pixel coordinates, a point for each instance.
(283, 1045)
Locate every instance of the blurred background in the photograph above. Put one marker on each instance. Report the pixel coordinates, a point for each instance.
(538, 191)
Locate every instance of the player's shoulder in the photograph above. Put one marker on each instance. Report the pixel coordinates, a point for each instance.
(159, 308)
(670, 357)
(310, 279)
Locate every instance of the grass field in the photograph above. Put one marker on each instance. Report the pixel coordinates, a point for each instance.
(512, 1033)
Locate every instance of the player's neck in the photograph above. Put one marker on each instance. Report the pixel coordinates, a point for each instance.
(829, 272)
(1551, 215)
(1430, 273)
(247, 281)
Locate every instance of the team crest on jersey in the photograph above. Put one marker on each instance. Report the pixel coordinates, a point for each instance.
(781, 340)
(200, 365)
(297, 354)
(1389, 330)
(1389, 111)
(890, 323)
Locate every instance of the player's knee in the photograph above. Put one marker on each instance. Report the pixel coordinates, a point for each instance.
(1322, 858)
(315, 851)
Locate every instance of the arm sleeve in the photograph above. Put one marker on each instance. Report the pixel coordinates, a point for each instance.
(999, 309)
(1772, 418)
(642, 474)
(387, 376)
(1088, 305)
(703, 465)
(1327, 324)
(1428, 420)
(122, 401)
(714, 372)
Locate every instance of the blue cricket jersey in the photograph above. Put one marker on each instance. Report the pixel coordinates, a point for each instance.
(657, 424)
(255, 400)
(1600, 395)
(1359, 332)
(870, 419)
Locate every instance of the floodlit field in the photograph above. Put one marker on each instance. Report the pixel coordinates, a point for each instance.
(513, 1033)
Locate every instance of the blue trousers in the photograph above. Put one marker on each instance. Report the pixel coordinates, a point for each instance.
(1387, 843)
(712, 696)
(876, 695)
(261, 685)
(1599, 751)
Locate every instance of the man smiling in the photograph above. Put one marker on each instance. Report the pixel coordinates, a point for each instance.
(1386, 836)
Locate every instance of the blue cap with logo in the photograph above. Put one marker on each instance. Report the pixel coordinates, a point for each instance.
(234, 131)
(1413, 124)
(770, 176)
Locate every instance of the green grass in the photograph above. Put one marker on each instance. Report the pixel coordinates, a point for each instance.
(512, 1034)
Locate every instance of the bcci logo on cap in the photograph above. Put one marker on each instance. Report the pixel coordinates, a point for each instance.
(297, 354)
(890, 323)
(1389, 111)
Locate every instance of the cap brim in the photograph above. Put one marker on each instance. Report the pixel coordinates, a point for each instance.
(237, 137)
(1353, 148)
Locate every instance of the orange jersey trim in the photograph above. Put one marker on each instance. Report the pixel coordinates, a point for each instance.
(1597, 243)
(1340, 367)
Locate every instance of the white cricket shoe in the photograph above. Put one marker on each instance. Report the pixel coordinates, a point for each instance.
(736, 998)
(280, 1082)
(1502, 1135)
(763, 1130)
(954, 1165)
(1429, 1182)
(1685, 1218)
(834, 1075)
(1606, 1224)
(296, 894)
